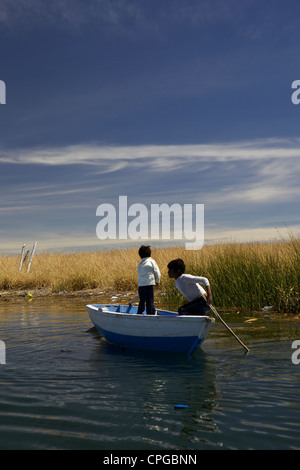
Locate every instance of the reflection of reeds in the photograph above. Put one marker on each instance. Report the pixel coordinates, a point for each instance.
(245, 276)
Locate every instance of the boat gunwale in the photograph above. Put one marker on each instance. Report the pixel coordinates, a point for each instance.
(169, 314)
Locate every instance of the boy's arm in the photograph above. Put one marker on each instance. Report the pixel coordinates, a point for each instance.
(157, 274)
(199, 279)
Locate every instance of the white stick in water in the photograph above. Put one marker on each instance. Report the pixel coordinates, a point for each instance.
(31, 256)
(22, 256)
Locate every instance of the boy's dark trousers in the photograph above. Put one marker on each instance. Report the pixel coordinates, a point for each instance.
(146, 296)
(195, 307)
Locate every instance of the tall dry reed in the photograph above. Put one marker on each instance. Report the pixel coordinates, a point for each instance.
(245, 276)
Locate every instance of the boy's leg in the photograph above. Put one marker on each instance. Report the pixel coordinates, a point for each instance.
(195, 307)
(150, 309)
(142, 296)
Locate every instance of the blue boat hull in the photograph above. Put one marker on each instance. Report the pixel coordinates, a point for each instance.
(185, 344)
(166, 331)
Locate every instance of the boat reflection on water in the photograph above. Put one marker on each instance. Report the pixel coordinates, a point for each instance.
(152, 383)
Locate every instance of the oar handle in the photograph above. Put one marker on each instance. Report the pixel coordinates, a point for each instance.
(134, 300)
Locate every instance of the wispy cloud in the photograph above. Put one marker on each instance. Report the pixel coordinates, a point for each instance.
(256, 194)
(256, 150)
(251, 185)
(60, 240)
(75, 13)
(260, 171)
(126, 16)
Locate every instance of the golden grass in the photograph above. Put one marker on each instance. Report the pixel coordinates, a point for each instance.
(241, 275)
(107, 270)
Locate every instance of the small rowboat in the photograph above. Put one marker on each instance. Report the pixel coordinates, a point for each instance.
(165, 331)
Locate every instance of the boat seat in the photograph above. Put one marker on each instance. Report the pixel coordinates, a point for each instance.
(103, 309)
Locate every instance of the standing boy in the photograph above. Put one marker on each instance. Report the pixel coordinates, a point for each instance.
(189, 287)
(148, 276)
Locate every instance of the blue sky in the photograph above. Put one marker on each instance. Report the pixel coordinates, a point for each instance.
(176, 101)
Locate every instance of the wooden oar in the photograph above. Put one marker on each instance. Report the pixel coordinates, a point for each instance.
(134, 300)
(225, 324)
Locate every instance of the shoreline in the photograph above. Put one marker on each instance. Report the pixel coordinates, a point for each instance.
(48, 293)
(98, 295)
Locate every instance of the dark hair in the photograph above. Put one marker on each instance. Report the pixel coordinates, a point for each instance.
(177, 265)
(145, 251)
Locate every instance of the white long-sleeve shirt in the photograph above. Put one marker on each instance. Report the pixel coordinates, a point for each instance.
(148, 272)
(188, 286)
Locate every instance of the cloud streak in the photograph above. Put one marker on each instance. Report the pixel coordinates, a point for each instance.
(252, 184)
(77, 12)
(260, 171)
(93, 154)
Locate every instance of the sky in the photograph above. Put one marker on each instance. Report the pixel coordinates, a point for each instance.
(178, 101)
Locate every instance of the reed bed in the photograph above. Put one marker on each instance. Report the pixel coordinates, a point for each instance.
(243, 276)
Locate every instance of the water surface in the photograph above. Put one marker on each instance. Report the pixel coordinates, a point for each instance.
(63, 387)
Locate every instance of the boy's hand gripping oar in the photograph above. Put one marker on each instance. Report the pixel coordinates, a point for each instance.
(225, 324)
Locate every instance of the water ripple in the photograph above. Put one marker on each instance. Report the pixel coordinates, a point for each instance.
(64, 388)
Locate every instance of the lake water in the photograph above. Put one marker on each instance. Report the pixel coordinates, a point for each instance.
(63, 387)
